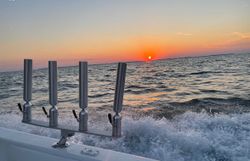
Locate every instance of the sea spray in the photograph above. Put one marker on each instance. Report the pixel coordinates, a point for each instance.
(190, 136)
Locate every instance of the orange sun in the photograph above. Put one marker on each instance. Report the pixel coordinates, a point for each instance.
(149, 57)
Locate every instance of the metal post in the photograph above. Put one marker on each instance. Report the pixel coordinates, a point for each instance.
(53, 112)
(83, 96)
(119, 92)
(27, 87)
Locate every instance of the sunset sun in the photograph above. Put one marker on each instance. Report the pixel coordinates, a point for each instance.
(149, 57)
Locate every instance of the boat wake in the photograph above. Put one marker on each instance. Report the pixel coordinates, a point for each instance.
(189, 136)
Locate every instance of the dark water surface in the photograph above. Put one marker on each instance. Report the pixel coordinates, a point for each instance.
(169, 106)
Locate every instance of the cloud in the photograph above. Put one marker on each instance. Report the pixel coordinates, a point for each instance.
(184, 34)
(239, 44)
(241, 35)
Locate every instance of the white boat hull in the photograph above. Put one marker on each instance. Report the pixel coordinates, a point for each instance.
(20, 146)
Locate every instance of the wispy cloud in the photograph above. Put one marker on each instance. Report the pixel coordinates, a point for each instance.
(184, 34)
(241, 35)
(238, 42)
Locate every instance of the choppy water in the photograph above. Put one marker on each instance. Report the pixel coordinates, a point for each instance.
(167, 106)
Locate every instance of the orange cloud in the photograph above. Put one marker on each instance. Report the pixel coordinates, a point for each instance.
(184, 34)
(241, 35)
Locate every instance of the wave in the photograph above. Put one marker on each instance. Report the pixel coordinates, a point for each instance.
(135, 86)
(107, 75)
(3, 96)
(148, 78)
(144, 91)
(67, 85)
(160, 74)
(98, 95)
(137, 89)
(210, 91)
(190, 136)
(166, 88)
(232, 100)
(112, 69)
(203, 72)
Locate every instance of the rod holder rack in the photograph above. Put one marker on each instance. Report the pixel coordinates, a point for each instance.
(82, 117)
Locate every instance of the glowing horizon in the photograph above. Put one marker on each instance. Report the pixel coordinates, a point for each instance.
(103, 32)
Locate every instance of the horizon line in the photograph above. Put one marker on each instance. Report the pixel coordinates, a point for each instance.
(139, 61)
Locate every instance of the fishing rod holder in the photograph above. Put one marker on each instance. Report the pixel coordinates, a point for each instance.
(27, 94)
(82, 117)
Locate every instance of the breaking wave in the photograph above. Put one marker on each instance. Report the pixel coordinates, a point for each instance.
(215, 101)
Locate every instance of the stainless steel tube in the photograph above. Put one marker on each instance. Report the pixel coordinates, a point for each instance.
(119, 90)
(53, 112)
(83, 84)
(83, 96)
(27, 81)
(53, 83)
(27, 90)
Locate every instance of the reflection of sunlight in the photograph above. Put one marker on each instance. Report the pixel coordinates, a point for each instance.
(146, 109)
(142, 99)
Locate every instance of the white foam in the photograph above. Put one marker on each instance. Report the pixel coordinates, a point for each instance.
(190, 136)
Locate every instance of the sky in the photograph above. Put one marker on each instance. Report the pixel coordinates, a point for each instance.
(103, 31)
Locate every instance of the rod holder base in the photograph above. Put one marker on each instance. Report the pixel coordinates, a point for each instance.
(116, 126)
(27, 112)
(83, 120)
(53, 117)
